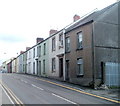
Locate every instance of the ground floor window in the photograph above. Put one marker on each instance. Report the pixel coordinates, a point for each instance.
(53, 64)
(80, 66)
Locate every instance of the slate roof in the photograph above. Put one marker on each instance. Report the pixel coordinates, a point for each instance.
(90, 18)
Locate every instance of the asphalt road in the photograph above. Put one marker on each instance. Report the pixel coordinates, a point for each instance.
(36, 90)
(5, 98)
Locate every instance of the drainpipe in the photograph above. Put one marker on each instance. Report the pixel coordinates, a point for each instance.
(93, 62)
(64, 72)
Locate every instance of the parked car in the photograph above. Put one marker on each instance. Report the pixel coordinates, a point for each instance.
(3, 71)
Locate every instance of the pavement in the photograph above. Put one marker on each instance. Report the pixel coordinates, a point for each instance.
(109, 93)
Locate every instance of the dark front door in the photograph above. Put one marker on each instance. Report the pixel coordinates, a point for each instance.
(102, 72)
(61, 67)
(39, 67)
(67, 70)
(34, 68)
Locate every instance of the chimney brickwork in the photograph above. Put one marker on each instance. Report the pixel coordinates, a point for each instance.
(76, 17)
(38, 40)
(52, 31)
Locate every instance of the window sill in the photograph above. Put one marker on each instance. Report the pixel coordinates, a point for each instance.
(53, 50)
(80, 75)
(60, 47)
(67, 52)
(79, 49)
(53, 71)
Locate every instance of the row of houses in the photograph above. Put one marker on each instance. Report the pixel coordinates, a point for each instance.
(84, 52)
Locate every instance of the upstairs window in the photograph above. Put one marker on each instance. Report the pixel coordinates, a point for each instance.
(79, 40)
(34, 53)
(60, 41)
(44, 48)
(67, 44)
(29, 55)
(53, 44)
(39, 51)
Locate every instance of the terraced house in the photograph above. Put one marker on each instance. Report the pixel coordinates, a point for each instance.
(25, 62)
(56, 54)
(43, 58)
(84, 52)
(92, 49)
(14, 64)
(29, 61)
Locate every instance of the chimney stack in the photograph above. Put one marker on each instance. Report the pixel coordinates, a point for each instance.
(27, 48)
(76, 17)
(52, 31)
(21, 52)
(38, 40)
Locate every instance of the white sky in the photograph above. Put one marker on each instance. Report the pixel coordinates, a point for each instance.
(22, 21)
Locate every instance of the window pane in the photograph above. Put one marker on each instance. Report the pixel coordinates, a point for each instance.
(53, 64)
(67, 44)
(79, 40)
(53, 44)
(80, 66)
(44, 48)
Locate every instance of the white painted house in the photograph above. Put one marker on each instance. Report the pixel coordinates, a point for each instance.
(34, 60)
(56, 55)
(29, 61)
(20, 59)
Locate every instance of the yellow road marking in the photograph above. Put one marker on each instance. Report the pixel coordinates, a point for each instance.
(12, 94)
(80, 91)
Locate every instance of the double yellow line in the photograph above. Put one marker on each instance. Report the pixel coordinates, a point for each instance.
(12, 95)
(115, 101)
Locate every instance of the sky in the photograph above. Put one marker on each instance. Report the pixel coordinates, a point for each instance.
(22, 21)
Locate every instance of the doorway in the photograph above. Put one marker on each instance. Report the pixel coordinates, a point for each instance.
(39, 68)
(61, 67)
(33, 67)
(67, 70)
(102, 72)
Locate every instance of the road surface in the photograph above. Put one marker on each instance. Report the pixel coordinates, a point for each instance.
(27, 89)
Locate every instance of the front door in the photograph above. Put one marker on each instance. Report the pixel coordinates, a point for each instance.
(39, 67)
(67, 70)
(61, 67)
(102, 72)
(33, 67)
